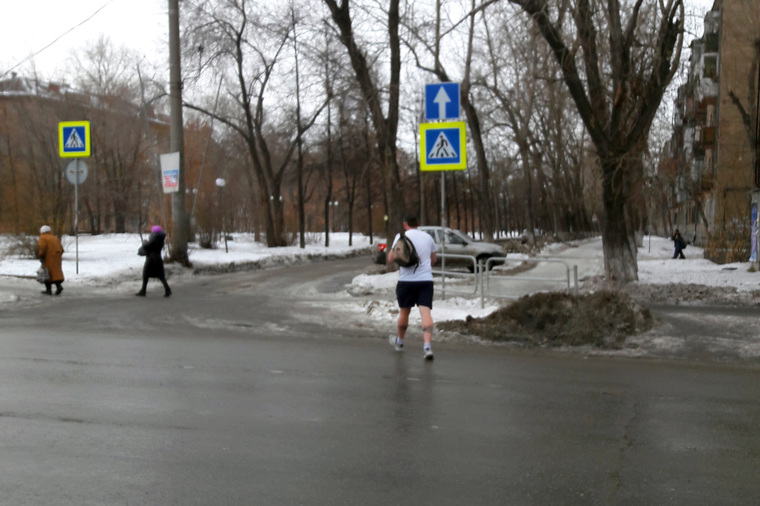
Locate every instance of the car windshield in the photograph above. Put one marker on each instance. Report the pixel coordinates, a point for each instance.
(455, 236)
(435, 234)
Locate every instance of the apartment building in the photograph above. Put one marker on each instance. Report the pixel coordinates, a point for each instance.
(711, 163)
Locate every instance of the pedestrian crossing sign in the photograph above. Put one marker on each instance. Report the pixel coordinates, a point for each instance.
(74, 139)
(443, 146)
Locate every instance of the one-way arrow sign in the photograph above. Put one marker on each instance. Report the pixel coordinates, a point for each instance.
(441, 101)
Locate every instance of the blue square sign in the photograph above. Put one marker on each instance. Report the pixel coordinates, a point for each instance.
(74, 139)
(443, 146)
(441, 101)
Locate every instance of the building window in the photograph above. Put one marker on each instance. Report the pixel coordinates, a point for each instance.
(711, 42)
(711, 67)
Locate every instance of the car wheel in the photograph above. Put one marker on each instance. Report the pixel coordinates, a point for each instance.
(481, 258)
(484, 259)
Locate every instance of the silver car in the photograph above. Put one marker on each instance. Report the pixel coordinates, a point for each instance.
(459, 244)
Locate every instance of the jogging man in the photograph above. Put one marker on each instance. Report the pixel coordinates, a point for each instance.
(415, 286)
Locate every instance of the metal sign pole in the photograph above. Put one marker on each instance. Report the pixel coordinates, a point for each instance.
(76, 213)
(443, 234)
(74, 141)
(448, 152)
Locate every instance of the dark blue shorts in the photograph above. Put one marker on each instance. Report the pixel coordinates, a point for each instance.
(414, 293)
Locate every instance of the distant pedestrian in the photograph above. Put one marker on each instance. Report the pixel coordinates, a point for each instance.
(415, 286)
(679, 243)
(50, 253)
(154, 263)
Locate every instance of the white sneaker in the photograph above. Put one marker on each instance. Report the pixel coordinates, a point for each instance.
(428, 354)
(393, 340)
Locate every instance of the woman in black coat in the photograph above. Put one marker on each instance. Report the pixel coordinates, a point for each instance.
(679, 244)
(154, 263)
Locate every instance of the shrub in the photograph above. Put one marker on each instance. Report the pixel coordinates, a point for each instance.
(23, 246)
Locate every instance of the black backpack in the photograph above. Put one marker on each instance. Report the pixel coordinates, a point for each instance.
(404, 253)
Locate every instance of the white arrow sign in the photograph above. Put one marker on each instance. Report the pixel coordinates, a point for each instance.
(441, 101)
(442, 98)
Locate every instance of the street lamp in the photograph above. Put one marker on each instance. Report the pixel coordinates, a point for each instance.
(220, 182)
(335, 212)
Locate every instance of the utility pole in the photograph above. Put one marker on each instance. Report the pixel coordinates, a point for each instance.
(180, 225)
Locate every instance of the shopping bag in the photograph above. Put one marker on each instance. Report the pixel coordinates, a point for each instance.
(43, 274)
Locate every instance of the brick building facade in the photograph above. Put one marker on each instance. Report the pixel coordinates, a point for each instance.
(120, 192)
(711, 160)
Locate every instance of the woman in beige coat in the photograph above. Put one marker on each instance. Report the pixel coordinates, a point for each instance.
(50, 253)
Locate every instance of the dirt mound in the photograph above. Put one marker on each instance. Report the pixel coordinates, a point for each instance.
(602, 319)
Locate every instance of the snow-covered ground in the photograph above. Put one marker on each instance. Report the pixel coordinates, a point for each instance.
(657, 267)
(112, 260)
(114, 256)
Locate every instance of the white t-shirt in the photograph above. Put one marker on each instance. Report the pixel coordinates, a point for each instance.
(425, 246)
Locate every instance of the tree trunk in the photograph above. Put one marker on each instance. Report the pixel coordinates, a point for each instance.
(618, 229)
(484, 183)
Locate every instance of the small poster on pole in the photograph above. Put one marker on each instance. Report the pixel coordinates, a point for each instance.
(170, 172)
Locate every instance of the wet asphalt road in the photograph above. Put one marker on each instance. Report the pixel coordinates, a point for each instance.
(236, 391)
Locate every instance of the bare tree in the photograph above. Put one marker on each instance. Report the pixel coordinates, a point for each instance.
(37, 171)
(516, 97)
(616, 62)
(299, 136)
(355, 160)
(119, 154)
(234, 37)
(386, 127)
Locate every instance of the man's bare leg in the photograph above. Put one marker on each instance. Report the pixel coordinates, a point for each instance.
(427, 330)
(403, 322)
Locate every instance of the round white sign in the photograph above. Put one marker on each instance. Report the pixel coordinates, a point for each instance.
(76, 172)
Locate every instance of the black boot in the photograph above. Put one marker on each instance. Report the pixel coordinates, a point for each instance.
(167, 290)
(58, 289)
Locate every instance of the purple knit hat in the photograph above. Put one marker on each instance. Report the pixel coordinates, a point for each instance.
(156, 228)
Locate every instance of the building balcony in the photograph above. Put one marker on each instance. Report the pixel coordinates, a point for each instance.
(706, 182)
(705, 140)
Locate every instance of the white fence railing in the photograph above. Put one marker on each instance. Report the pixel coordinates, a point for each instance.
(495, 283)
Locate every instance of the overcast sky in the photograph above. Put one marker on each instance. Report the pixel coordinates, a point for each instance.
(28, 27)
